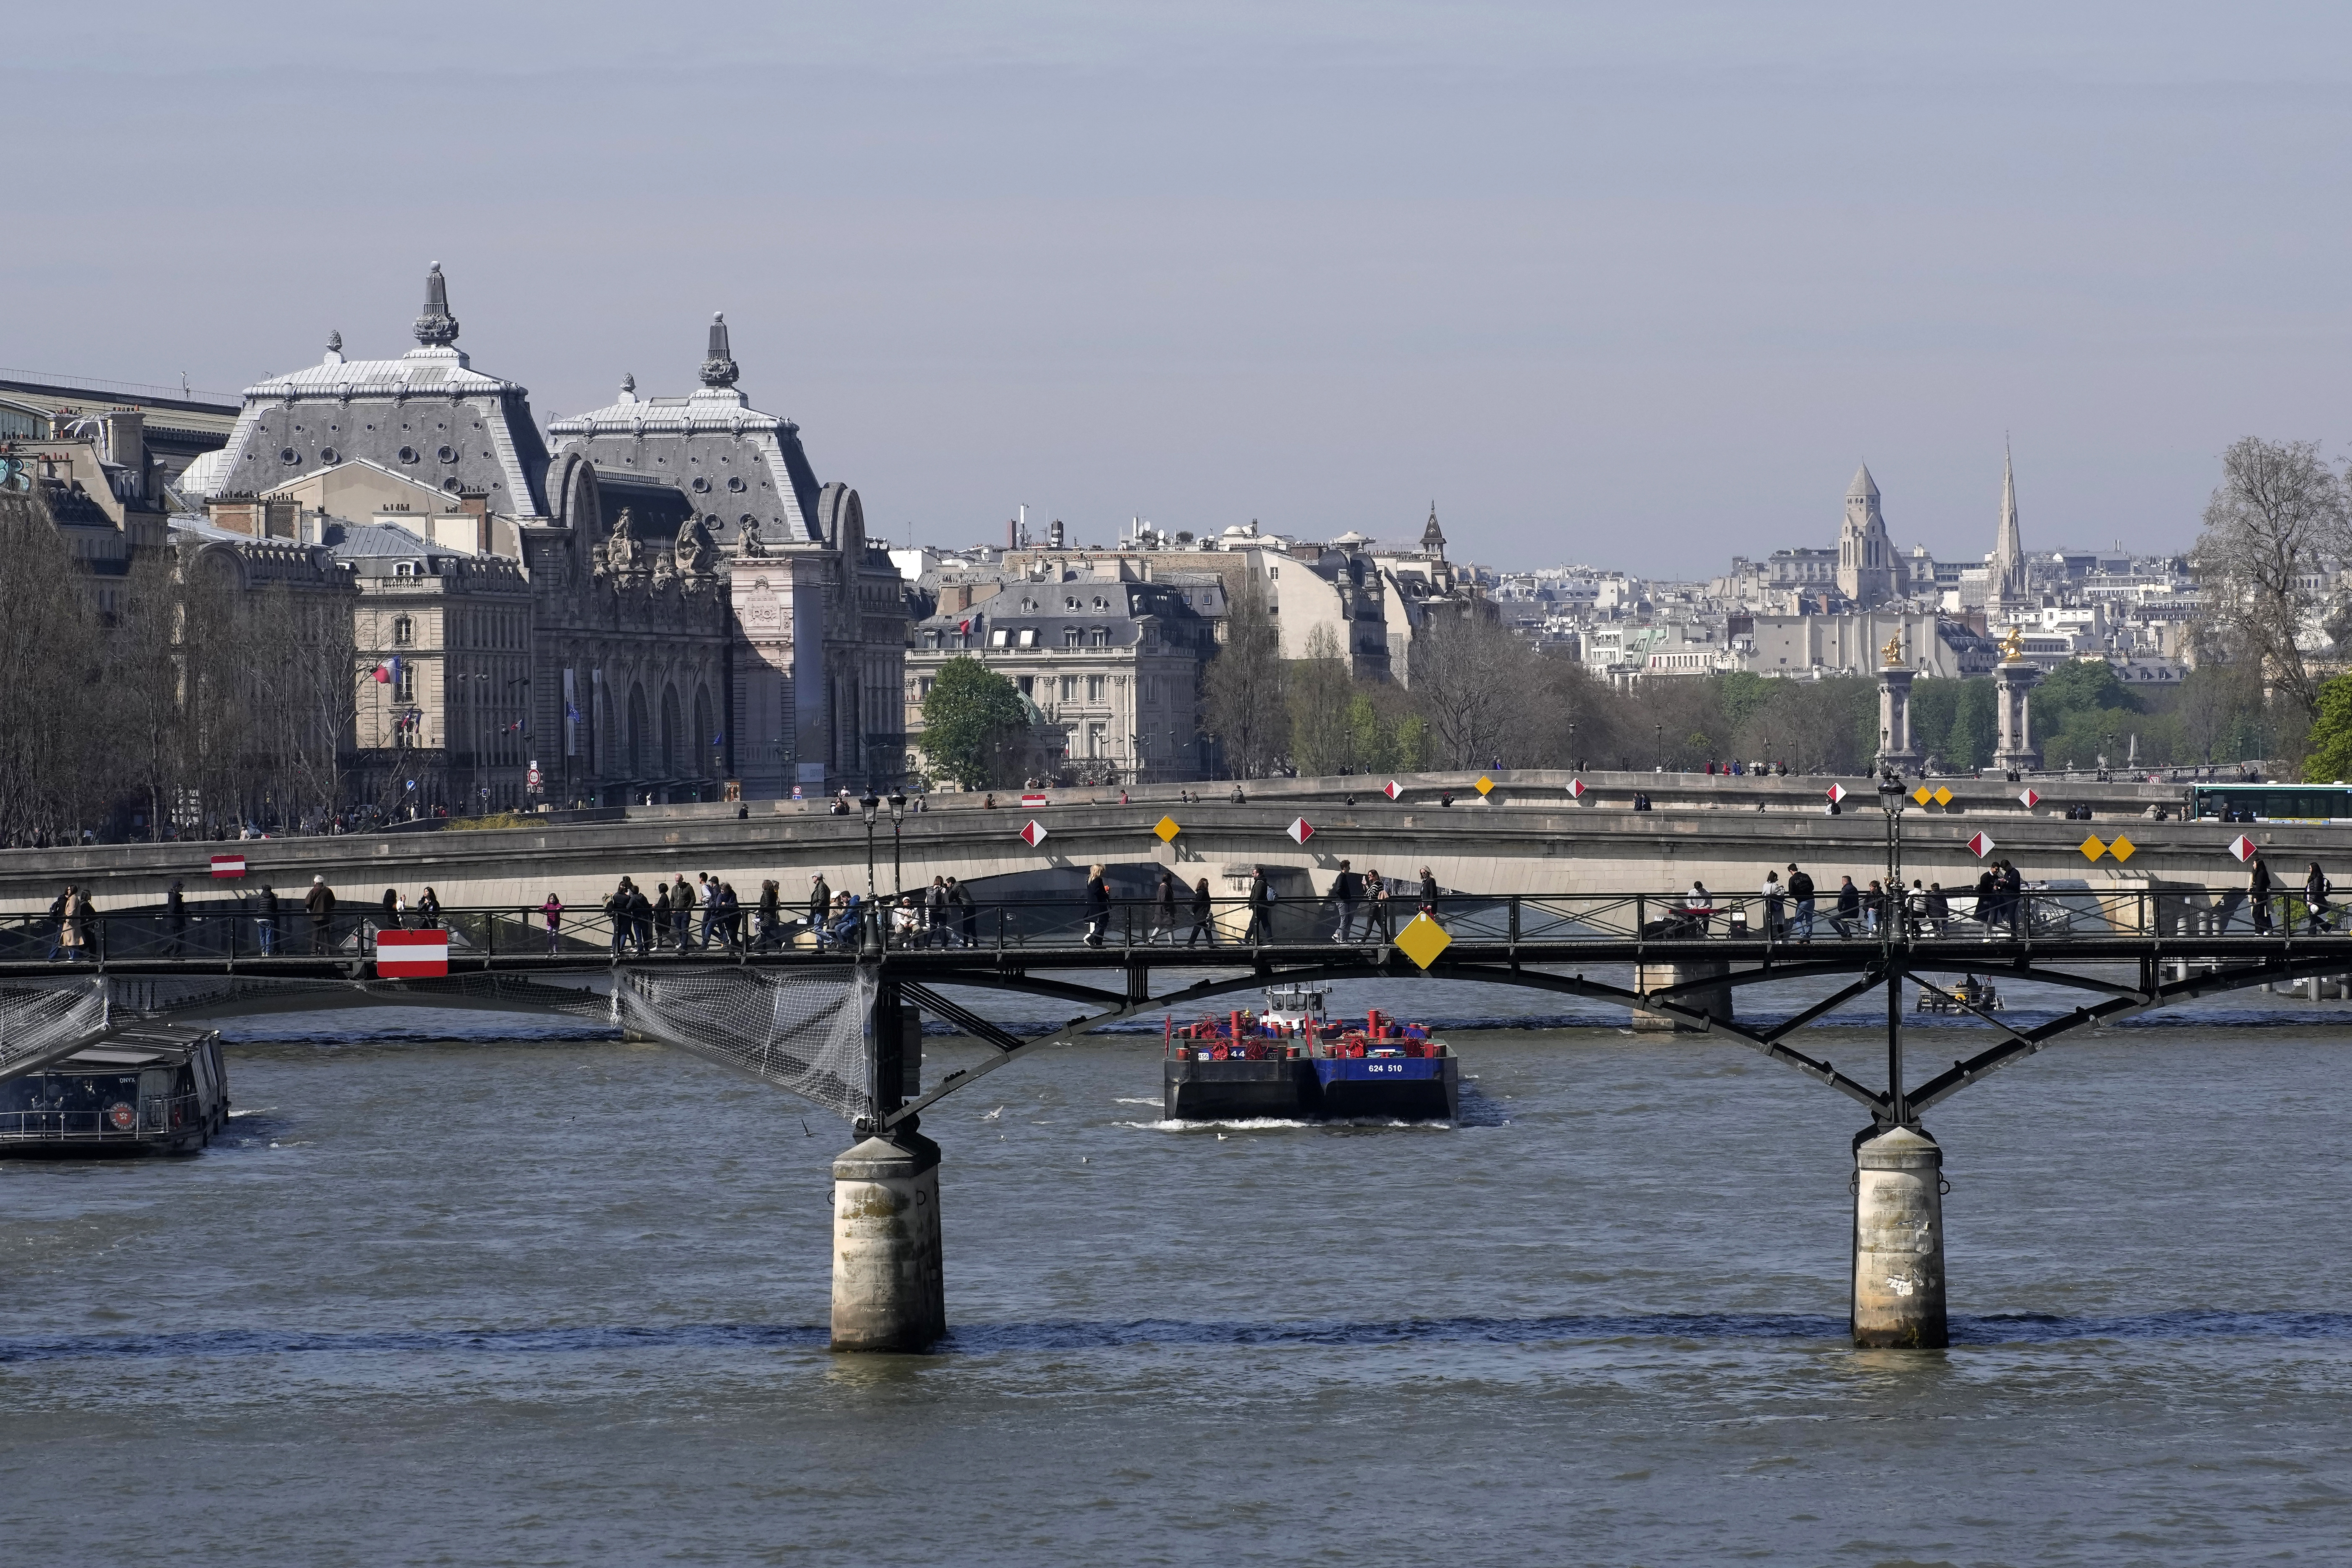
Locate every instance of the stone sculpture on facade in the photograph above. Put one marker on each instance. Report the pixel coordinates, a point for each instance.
(696, 555)
(621, 551)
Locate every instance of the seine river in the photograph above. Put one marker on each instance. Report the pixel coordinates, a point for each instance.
(518, 1298)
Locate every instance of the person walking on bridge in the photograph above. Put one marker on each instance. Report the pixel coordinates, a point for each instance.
(320, 903)
(1849, 908)
(2258, 895)
(1800, 895)
(820, 907)
(1775, 905)
(1428, 893)
(1097, 905)
(1163, 909)
(771, 915)
(713, 908)
(61, 911)
(1204, 919)
(266, 922)
(1346, 888)
(681, 915)
(2316, 888)
(1261, 909)
(1376, 897)
(553, 909)
(966, 912)
(616, 911)
(175, 916)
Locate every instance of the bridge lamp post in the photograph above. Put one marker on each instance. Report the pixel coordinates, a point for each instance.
(1891, 915)
(1659, 732)
(898, 815)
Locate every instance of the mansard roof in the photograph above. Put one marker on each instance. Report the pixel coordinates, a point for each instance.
(733, 462)
(427, 415)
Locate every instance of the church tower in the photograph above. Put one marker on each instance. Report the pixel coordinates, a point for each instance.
(1866, 572)
(2006, 583)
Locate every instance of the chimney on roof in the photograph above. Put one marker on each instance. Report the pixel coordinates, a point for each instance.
(718, 367)
(436, 328)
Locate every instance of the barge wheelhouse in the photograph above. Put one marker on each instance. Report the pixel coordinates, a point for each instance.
(148, 1090)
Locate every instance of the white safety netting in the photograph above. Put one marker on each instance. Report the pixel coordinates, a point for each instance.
(38, 1022)
(803, 1033)
(230, 995)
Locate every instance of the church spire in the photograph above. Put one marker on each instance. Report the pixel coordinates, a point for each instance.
(718, 367)
(1432, 538)
(2009, 543)
(436, 328)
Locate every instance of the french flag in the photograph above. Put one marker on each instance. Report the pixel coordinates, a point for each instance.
(412, 955)
(388, 672)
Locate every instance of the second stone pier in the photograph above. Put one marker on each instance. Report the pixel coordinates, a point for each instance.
(889, 1278)
(1898, 1242)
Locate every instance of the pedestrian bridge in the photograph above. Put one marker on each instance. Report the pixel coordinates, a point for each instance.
(837, 1023)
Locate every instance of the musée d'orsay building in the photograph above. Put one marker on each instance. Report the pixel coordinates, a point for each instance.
(666, 600)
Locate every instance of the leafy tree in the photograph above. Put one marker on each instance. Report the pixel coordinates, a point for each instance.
(971, 720)
(1974, 733)
(1322, 739)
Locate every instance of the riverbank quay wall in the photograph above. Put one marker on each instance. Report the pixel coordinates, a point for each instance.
(1526, 838)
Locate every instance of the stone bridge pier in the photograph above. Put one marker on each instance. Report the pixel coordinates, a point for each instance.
(890, 1268)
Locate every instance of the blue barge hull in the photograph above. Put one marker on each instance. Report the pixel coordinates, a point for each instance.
(1316, 1089)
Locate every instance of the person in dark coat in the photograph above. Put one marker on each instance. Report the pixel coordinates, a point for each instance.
(662, 927)
(1097, 905)
(266, 923)
(771, 918)
(1428, 893)
(1204, 921)
(2012, 900)
(2258, 896)
(1376, 900)
(1800, 898)
(320, 903)
(176, 917)
(1163, 908)
(641, 917)
(966, 912)
(820, 906)
(616, 910)
(390, 916)
(2316, 888)
(1347, 888)
(1849, 908)
(1261, 909)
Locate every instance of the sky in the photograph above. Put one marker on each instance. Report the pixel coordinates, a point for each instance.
(1631, 286)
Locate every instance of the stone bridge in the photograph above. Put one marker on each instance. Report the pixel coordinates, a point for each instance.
(1532, 834)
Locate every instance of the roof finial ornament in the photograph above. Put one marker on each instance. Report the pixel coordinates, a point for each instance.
(436, 328)
(628, 386)
(718, 367)
(334, 348)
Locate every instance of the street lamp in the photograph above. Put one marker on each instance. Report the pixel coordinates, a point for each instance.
(1890, 912)
(898, 815)
(873, 804)
(1659, 731)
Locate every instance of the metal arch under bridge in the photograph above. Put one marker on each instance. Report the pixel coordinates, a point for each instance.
(883, 980)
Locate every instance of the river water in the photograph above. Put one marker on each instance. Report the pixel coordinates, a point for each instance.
(495, 1294)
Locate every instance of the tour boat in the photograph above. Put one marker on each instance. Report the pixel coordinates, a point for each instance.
(1294, 1062)
(151, 1089)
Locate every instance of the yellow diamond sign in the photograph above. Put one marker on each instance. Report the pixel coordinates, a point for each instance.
(1482, 786)
(2121, 849)
(1167, 829)
(1423, 940)
(1943, 796)
(2092, 847)
(1921, 794)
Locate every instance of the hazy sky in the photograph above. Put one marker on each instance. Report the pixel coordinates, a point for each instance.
(1635, 285)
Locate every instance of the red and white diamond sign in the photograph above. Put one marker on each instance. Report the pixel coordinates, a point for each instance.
(1391, 789)
(2028, 800)
(228, 865)
(2242, 848)
(412, 955)
(1034, 834)
(1980, 844)
(1300, 831)
(1837, 791)
(1576, 789)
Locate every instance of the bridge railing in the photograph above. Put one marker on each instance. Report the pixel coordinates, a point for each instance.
(1015, 923)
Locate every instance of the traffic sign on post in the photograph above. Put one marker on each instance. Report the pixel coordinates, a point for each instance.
(1034, 834)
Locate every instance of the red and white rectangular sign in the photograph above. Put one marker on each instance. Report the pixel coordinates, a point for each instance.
(1028, 801)
(412, 955)
(228, 865)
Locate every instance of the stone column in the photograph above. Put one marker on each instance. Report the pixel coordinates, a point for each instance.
(1896, 750)
(1898, 1242)
(2017, 753)
(1712, 1000)
(889, 1288)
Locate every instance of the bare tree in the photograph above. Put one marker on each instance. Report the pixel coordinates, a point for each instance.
(1322, 739)
(1473, 678)
(1247, 706)
(2275, 533)
(54, 777)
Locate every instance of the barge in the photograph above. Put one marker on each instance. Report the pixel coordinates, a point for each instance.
(157, 1088)
(1293, 1063)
